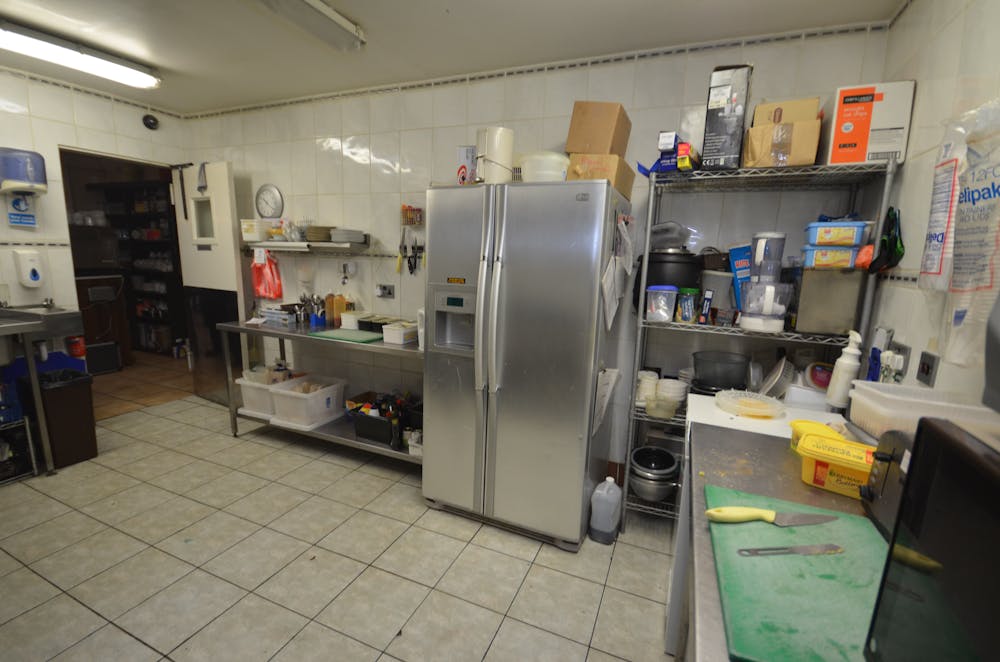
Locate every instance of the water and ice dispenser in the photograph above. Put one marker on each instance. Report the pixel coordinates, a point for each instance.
(454, 319)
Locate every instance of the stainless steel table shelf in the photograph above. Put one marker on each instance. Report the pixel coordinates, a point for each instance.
(795, 177)
(785, 336)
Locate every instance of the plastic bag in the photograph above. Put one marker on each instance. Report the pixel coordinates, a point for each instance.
(266, 277)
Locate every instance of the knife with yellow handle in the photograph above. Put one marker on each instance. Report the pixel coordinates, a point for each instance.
(736, 514)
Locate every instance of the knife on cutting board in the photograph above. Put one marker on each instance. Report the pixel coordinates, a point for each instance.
(736, 514)
(805, 550)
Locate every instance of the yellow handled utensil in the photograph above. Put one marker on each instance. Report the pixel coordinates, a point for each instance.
(737, 514)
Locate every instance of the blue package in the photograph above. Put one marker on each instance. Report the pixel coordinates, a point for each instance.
(739, 264)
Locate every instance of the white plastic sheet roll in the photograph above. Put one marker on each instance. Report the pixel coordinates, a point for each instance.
(495, 154)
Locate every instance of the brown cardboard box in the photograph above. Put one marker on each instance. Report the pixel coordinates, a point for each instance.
(786, 144)
(598, 127)
(602, 166)
(791, 110)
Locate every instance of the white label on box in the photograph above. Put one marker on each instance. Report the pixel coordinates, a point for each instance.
(718, 97)
(259, 256)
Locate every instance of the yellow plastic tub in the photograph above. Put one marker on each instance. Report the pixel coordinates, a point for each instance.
(802, 427)
(836, 465)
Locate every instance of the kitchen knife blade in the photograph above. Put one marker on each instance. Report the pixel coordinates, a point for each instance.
(805, 550)
(734, 514)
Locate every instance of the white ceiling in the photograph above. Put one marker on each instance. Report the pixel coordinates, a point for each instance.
(215, 54)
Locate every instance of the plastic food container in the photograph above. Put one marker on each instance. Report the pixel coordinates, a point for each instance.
(660, 302)
(544, 167)
(749, 404)
(254, 229)
(308, 411)
(257, 397)
(659, 406)
(835, 465)
(836, 233)
(877, 408)
(802, 428)
(828, 257)
(687, 305)
(400, 333)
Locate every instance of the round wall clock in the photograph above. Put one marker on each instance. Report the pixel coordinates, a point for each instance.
(269, 201)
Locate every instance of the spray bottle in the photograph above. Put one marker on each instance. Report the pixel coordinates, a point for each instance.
(845, 370)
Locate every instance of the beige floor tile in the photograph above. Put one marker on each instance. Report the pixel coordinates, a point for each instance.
(414, 477)
(313, 519)
(364, 536)
(93, 489)
(239, 455)
(507, 542)
(357, 489)
(118, 589)
(39, 541)
(267, 503)
(8, 564)
(226, 489)
(456, 526)
(114, 408)
(108, 643)
(374, 607)
(190, 476)
(161, 396)
(315, 476)
(630, 627)
(420, 555)
(558, 603)
(127, 503)
(207, 538)
(177, 436)
(23, 590)
(385, 468)
(590, 562)
(165, 520)
(487, 578)
(446, 628)
(156, 465)
(81, 561)
(517, 641)
(110, 440)
(345, 457)
(254, 559)
(63, 620)
(594, 655)
(130, 421)
(315, 643)
(226, 638)
(311, 581)
(275, 465)
(29, 513)
(401, 502)
(208, 444)
(169, 408)
(71, 475)
(127, 454)
(175, 613)
(649, 532)
(640, 571)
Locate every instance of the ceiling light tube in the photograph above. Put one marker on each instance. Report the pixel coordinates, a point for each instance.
(75, 56)
(322, 20)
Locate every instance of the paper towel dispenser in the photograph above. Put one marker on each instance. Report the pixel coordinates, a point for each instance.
(22, 171)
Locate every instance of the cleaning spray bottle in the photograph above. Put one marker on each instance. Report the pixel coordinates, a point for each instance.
(845, 370)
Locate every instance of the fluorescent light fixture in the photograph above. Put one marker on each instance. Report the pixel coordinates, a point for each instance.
(75, 56)
(321, 20)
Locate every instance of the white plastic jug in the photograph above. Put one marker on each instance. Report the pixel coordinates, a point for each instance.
(605, 509)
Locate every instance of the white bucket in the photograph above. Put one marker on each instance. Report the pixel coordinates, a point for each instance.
(495, 155)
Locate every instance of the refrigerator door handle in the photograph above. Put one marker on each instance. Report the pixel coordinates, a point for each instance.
(494, 375)
(480, 324)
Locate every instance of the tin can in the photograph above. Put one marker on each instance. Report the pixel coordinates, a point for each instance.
(687, 301)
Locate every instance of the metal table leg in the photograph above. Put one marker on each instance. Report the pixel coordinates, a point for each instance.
(36, 393)
(281, 348)
(229, 383)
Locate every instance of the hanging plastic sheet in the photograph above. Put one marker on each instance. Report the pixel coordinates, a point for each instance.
(266, 276)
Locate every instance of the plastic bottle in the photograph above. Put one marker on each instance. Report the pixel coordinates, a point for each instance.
(605, 509)
(845, 370)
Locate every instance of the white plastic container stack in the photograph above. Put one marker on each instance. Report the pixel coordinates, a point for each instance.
(308, 411)
(257, 399)
(605, 509)
(877, 408)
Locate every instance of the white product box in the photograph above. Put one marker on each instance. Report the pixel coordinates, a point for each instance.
(867, 123)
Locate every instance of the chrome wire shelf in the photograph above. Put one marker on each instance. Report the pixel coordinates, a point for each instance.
(793, 177)
(660, 508)
(679, 417)
(786, 336)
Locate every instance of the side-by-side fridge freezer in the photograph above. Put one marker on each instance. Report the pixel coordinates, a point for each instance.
(516, 339)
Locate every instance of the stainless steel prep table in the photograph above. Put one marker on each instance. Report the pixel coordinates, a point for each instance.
(27, 332)
(340, 431)
(738, 460)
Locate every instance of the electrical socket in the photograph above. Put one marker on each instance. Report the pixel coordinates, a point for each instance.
(927, 368)
(385, 291)
(902, 350)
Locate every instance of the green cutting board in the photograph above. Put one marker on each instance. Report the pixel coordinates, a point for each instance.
(794, 607)
(350, 335)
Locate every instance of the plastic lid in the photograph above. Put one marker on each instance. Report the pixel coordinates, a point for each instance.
(661, 288)
(609, 479)
(689, 290)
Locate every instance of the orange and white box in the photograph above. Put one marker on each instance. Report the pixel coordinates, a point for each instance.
(868, 123)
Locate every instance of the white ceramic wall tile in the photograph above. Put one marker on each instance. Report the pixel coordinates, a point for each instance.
(255, 162)
(486, 102)
(357, 164)
(774, 70)
(554, 132)
(207, 131)
(612, 82)
(358, 214)
(168, 153)
(93, 140)
(128, 121)
(13, 94)
(418, 108)
(48, 136)
(50, 101)
(330, 209)
(692, 124)
(415, 155)
(646, 126)
(329, 166)
(278, 124)
(232, 129)
(136, 149)
(385, 224)
(254, 127)
(279, 165)
(563, 88)
(91, 111)
(301, 121)
(524, 96)
(659, 82)
(327, 117)
(830, 62)
(304, 167)
(386, 111)
(698, 68)
(15, 131)
(450, 104)
(51, 211)
(356, 115)
(445, 149)
(702, 212)
(385, 162)
(873, 66)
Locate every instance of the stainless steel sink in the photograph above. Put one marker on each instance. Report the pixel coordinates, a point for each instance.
(40, 321)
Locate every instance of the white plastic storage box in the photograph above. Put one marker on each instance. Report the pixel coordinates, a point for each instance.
(308, 411)
(399, 333)
(877, 408)
(257, 399)
(836, 233)
(829, 257)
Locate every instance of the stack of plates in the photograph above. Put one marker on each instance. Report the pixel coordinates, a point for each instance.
(345, 235)
(318, 233)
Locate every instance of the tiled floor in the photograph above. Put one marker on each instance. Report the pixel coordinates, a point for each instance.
(152, 380)
(181, 542)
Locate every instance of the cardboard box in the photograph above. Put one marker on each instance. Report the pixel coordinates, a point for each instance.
(598, 127)
(791, 110)
(786, 144)
(602, 166)
(868, 123)
(728, 90)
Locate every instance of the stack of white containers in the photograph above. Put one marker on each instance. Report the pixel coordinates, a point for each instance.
(660, 397)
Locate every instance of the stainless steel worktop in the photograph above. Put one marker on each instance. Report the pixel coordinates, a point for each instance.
(302, 335)
(746, 461)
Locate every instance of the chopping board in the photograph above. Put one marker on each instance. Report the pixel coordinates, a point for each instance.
(350, 335)
(794, 607)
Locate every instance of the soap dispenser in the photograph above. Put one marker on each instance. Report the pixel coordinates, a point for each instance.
(29, 267)
(845, 370)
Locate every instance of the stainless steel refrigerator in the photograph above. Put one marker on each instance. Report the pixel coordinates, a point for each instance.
(516, 339)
